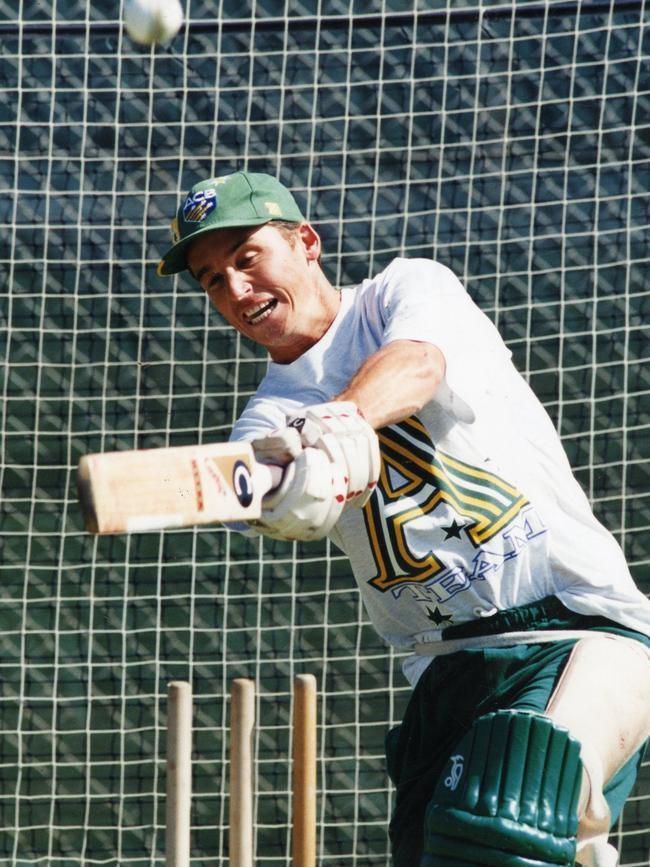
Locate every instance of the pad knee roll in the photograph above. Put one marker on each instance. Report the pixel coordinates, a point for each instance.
(508, 796)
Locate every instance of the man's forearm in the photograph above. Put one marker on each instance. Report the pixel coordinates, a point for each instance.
(396, 381)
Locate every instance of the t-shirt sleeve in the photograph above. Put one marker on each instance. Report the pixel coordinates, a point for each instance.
(260, 417)
(423, 300)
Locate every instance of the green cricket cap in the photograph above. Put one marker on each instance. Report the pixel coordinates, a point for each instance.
(240, 199)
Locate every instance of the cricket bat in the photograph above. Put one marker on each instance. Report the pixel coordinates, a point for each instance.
(158, 489)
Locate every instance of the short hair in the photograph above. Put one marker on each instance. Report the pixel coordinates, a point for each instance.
(288, 228)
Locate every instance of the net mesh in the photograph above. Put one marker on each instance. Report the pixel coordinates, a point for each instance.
(510, 142)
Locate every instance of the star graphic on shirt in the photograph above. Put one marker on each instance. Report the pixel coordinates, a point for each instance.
(453, 530)
(438, 617)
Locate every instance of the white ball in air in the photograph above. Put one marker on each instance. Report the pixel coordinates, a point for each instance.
(152, 21)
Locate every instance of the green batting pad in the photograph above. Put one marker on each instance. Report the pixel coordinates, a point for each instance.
(508, 796)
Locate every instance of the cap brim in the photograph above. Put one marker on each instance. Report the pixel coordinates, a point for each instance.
(174, 261)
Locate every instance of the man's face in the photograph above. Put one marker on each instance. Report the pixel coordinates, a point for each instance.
(264, 284)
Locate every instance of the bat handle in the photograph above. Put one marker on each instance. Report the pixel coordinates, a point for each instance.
(276, 476)
(272, 476)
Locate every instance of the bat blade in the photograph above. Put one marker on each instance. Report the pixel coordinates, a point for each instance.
(158, 489)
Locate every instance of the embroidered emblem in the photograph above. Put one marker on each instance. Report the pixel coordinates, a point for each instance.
(197, 207)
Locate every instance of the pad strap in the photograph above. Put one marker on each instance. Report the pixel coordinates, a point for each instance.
(508, 796)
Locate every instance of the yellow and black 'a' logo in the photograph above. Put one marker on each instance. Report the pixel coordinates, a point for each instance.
(416, 478)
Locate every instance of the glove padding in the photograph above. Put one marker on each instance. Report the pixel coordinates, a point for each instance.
(339, 429)
(308, 501)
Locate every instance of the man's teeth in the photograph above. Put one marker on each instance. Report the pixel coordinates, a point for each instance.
(261, 311)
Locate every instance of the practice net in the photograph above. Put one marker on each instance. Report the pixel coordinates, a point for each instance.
(511, 142)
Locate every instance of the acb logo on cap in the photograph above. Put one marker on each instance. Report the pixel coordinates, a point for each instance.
(197, 206)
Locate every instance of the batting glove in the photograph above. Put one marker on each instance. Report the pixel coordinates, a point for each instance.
(308, 501)
(339, 429)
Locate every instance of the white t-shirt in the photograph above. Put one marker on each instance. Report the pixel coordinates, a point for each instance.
(476, 509)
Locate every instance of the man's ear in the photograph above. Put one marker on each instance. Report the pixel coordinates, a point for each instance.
(310, 241)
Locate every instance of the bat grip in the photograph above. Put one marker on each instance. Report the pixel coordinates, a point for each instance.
(273, 476)
(276, 476)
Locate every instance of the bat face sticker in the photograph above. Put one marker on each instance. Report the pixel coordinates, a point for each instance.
(242, 483)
